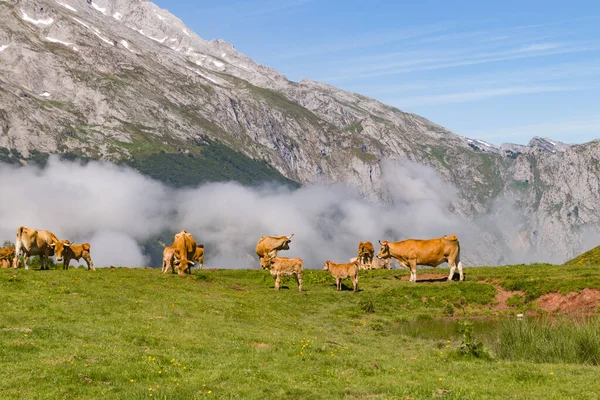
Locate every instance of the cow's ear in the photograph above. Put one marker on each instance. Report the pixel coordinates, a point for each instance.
(271, 254)
(68, 244)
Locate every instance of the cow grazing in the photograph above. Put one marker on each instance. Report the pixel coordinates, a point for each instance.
(366, 251)
(432, 252)
(168, 259)
(282, 266)
(68, 251)
(33, 242)
(6, 256)
(342, 271)
(185, 249)
(270, 245)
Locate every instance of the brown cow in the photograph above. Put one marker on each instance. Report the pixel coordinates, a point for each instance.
(6, 256)
(282, 266)
(69, 251)
(342, 271)
(381, 263)
(366, 251)
(185, 249)
(168, 259)
(432, 252)
(33, 242)
(270, 245)
(199, 255)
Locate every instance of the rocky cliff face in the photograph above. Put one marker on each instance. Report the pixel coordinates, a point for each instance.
(125, 80)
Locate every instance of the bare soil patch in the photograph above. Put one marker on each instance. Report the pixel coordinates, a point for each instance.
(584, 303)
(502, 296)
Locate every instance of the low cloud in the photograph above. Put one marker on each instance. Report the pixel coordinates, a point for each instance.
(117, 210)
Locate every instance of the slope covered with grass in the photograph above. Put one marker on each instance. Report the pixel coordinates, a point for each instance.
(139, 334)
(591, 257)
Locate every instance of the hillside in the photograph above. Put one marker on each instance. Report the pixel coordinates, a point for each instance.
(127, 82)
(590, 257)
(136, 333)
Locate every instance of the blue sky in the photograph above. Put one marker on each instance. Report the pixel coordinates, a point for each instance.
(501, 71)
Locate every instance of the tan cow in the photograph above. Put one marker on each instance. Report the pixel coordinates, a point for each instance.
(270, 245)
(69, 251)
(342, 271)
(185, 249)
(282, 266)
(33, 242)
(6, 256)
(366, 251)
(168, 259)
(199, 255)
(381, 263)
(432, 252)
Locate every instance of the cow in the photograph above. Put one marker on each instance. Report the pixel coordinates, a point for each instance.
(185, 249)
(366, 251)
(199, 255)
(282, 266)
(342, 271)
(6, 256)
(68, 251)
(168, 259)
(432, 252)
(270, 245)
(381, 263)
(33, 242)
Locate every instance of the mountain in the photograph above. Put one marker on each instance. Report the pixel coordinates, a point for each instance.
(127, 82)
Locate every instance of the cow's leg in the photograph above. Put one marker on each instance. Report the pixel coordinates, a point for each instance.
(452, 269)
(277, 279)
(460, 271)
(413, 270)
(17, 258)
(299, 280)
(355, 282)
(89, 263)
(25, 258)
(338, 284)
(66, 262)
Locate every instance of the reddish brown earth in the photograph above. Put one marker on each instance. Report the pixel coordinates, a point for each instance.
(584, 303)
(502, 296)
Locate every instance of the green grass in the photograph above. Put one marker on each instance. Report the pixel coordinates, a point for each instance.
(591, 257)
(226, 334)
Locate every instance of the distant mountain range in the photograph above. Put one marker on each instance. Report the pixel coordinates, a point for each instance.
(127, 82)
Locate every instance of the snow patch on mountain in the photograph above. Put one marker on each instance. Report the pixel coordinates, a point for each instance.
(54, 40)
(68, 7)
(27, 18)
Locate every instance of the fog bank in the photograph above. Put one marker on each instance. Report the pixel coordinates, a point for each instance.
(116, 210)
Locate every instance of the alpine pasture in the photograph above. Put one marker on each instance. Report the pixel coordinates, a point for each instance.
(124, 333)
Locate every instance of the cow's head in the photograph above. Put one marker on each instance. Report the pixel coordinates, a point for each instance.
(59, 249)
(326, 266)
(182, 264)
(267, 261)
(285, 244)
(384, 251)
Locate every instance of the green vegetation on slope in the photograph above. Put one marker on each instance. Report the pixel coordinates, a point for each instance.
(139, 334)
(591, 257)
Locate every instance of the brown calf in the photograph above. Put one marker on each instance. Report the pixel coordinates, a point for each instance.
(65, 249)
(282, 266)
(342, 271)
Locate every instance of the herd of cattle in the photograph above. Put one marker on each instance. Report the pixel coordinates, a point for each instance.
(185, 252)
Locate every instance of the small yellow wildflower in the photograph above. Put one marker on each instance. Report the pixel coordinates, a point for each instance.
(132, 380)
(551, 373)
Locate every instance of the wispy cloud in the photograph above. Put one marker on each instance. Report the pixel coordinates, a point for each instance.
(571, 130)
(476, 95)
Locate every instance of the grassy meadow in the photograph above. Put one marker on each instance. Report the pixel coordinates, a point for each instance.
(226, 334)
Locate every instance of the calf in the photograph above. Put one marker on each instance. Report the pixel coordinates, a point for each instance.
(381, 263)
(282, 266)
(199, 255)
(65, 249)
(342, 271)
(168, 259)
(6, 256)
